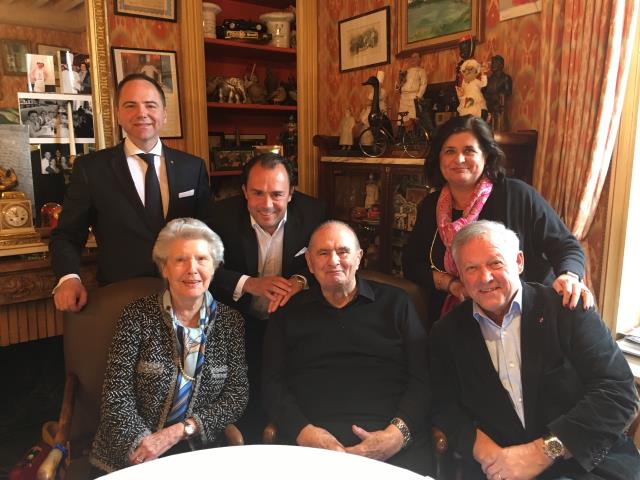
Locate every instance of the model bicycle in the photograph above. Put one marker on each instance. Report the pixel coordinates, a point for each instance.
(414, 139)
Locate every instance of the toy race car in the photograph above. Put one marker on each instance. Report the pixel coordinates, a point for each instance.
(234, 29)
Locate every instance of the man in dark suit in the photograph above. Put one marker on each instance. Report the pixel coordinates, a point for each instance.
(523, 387)
(126, 202)
(265, 233)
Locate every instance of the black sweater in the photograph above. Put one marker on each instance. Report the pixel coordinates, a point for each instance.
(549, 248)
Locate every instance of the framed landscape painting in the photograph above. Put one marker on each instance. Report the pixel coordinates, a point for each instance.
(424, 25)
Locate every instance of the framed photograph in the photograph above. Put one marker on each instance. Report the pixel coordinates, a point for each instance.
(42, 76)
(231, 158)
(512, 9)
(162, 67)
(47, 116)
(42, 49)
(14, 56)
(364, 40)
(427, 26)
(156, 9)
(244, 139)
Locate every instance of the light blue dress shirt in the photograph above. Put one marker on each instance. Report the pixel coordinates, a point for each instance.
(503, 344)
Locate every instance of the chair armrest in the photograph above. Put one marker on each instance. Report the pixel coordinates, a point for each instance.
(233, 436)
(270, 434)
(48, 468)
(439, 439)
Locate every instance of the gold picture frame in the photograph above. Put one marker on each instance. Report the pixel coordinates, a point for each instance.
(421, 25)
(165, 10)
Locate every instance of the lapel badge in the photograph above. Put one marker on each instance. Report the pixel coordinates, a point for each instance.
(541, 320)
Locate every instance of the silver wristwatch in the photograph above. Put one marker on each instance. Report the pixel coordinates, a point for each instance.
(404, 430)
(553, 447)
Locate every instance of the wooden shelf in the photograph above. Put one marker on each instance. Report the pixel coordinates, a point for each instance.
(251, 48)
(252, 106)
(225, 173)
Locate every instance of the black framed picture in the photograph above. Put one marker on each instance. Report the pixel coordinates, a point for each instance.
(231, 158)
(364, 40)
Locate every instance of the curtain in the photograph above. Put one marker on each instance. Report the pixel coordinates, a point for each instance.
(585, 51)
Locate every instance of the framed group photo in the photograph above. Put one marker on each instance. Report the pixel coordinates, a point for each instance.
(364, 40)
(162, 67)
(428, 26)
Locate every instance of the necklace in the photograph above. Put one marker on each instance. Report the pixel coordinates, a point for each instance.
(433, 265)
(184, 374)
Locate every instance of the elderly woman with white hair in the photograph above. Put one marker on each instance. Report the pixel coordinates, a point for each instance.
(176, 374)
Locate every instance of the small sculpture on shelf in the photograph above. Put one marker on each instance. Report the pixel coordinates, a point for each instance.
(412, 85)
(470, 96)
(226, 90)
(499, 88)
(372, 192)
(346, 130)
(279, 95)
(255, 91)
(466, 47)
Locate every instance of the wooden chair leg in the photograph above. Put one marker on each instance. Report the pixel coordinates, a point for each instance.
(49, 467)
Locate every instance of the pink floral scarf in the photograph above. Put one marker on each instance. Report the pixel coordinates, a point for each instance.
(448, 229)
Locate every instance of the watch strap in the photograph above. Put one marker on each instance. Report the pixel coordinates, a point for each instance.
(404, 430)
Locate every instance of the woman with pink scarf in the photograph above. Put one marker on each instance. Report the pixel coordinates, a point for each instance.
(464, 164)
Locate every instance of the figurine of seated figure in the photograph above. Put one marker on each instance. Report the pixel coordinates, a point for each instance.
(470, 95)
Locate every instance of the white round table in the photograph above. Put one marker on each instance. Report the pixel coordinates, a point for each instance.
(265, 461)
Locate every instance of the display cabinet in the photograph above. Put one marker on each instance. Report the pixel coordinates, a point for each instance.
(378, 197)
(230, 58)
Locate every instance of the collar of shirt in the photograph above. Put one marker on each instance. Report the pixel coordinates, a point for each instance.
(256, 226)
(515, 308)
(130, 149)
(167, 307)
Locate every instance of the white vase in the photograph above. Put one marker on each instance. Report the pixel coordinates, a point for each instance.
(279, 26)
(209, 12)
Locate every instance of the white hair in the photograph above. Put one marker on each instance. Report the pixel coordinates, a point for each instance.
(186, 229)
(495, 232)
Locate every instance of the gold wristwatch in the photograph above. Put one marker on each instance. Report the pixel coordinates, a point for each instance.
(404, 430)
(553, 447)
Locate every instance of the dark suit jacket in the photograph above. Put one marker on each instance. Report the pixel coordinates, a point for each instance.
(575, 382)
(230, 219)
(102, 195)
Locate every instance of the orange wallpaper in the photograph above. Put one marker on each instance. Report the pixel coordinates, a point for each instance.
(135, 32)
(11, 85)
(517, 40)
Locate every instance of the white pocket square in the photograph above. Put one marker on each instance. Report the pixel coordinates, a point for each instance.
(188, 193)
(301, 252)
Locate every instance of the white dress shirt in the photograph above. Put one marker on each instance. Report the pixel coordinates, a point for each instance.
(503, 344)
(269, 260)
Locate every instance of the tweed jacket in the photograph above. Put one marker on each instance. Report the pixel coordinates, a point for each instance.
(141, 374)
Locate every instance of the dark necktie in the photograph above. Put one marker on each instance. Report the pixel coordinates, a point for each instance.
(152, 197)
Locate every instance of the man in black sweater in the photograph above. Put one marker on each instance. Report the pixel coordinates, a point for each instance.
(345, 362)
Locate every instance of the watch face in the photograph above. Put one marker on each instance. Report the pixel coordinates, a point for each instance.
(16, 216)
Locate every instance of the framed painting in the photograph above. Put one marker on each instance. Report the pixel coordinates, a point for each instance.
(427, 26)
(231, 158)
(156, 9)
(14, 56)
(512, 8)
(163, 68)
(364, 40)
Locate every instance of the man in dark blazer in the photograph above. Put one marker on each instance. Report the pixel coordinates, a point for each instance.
(123, 200)
(265, 232)
(524, 388)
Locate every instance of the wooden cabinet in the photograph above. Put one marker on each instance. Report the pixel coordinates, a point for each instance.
(228, 58)
(348, 184)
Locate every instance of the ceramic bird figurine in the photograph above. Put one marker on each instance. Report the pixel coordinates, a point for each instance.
(279, 95)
